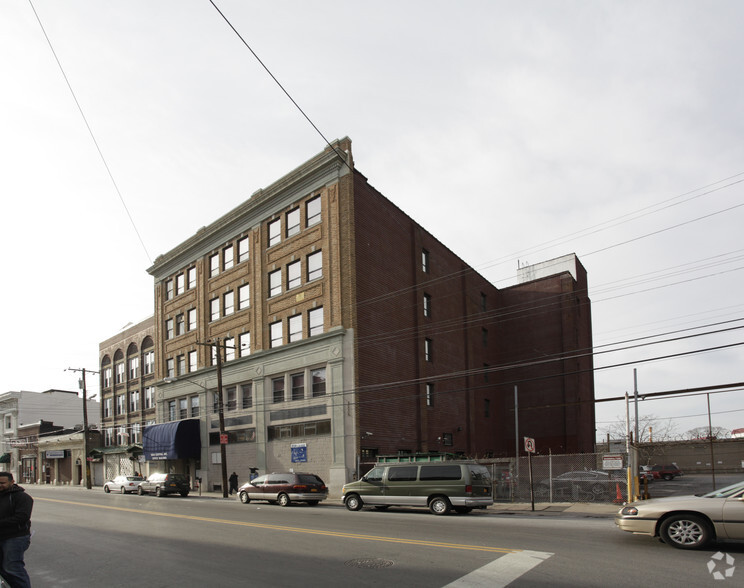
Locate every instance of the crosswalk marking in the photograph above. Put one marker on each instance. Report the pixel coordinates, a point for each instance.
(502, 571)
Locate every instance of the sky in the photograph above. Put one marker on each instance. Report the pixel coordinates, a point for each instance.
(515, 132)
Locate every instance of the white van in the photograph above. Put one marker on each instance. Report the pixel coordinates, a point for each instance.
(440, 486)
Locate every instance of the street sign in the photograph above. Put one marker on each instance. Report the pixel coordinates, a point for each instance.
(223, 438)
(529, 445)
(299, 452)
(612, 462)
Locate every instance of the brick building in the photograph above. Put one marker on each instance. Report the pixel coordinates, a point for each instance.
(127, 384)
(346, 331)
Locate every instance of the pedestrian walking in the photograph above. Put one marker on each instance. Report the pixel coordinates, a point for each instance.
(15, 531)
(233, 483)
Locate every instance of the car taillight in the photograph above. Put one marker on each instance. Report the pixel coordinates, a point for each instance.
(469, 489)
(299, 487)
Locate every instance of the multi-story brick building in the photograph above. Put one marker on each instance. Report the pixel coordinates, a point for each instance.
(127, 384)
(347, 331)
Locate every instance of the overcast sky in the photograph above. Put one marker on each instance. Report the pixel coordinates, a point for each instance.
(515, 132)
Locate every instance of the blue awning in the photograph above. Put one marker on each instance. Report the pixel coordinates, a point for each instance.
(176, 440)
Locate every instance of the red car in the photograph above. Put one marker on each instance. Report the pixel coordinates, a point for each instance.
(664, 472)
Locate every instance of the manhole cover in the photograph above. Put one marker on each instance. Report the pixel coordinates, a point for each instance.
(369, 562)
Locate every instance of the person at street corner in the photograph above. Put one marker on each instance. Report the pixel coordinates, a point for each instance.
(15, 531)
(233, 483)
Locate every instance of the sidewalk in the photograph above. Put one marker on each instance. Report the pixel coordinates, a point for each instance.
(589, 509)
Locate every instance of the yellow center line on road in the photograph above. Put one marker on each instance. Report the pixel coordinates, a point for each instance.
(290, 529)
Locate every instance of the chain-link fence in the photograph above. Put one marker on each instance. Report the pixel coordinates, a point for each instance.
(560, 478)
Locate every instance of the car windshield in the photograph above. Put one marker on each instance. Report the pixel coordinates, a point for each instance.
(726, 492)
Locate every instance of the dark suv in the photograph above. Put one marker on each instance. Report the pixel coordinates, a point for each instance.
(284, 488)
(162, 484)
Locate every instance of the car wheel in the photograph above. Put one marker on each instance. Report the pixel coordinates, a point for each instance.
(353, 502)
(283, 499)
(140, 491)
(123, 490)
(686, 531)
(158, 491)
(439, 505)
(244, 498)
(598, 489)
(106, 489)
(668, 477)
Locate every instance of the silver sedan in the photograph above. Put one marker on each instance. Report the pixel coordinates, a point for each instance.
(688, 522)
(123, 484)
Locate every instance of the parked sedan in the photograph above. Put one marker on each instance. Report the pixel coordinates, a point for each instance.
(123, 484)
(688, 522)
(284, 488)
(595, 483)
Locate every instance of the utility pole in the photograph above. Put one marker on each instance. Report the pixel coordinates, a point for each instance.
(86, 463)
(220, 411)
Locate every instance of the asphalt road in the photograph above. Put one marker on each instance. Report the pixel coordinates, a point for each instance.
(88, 538)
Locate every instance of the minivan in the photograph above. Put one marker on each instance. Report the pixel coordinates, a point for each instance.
(440, 486)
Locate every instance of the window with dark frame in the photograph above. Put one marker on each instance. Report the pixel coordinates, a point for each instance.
(275, 232)
(277, 389)
(428, 349)
(313, 211)
(293, 222)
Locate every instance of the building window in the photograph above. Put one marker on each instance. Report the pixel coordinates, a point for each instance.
(294, 275)
(275, 232)
(312, 211)
(149, 397)
(244, 249)
(231, 392)
(136, 433)
(246, 392)
(428, 349)
(277, 336)
(192, 361)
(275, 283)
(134, 401)
(484, 335)
(293, 222)
(169, 329)
(486, 407)
(183, 408)
(107, 377)
(483, 302)
(108, 436)
(244, 296)
(121, 404)
(229, 348)
(170, 368)
(214, 265)
(191, 314)
(120, 373)
(427, 305)
(314, 266)
(194, 406)
(181, 364)
(425, 261)
(298, 386)
(214, 309)
(244, 342)
(319, 382)
(172, 410)
(191, 273)
(295, 328)
(277, 388)
(430, 395)
(133, 367)
(447, 439)
(149, 362)
(107, 404)
(229, 303)
(169, 290)
(121, 435)
(315, 321)
(228, 257)
(180, 324)
(180, 284)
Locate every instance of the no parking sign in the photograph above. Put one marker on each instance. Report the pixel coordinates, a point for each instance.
(529, 445)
